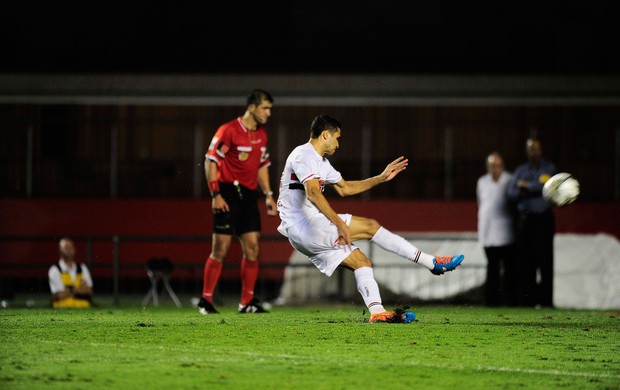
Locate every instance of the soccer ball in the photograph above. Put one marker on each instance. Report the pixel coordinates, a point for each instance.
(561, 189)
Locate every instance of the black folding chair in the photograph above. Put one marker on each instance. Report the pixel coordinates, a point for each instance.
(159, 269)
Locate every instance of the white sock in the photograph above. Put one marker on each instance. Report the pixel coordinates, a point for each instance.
(396, 244)
(369, 289)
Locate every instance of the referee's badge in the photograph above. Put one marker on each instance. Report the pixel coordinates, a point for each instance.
(244, 152)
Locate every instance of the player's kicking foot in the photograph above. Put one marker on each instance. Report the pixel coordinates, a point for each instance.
(393, 317)
(206, 307)
(252, 307)
(446, 263)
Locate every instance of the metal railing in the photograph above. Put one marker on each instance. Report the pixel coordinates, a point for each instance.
(118, 263)
(117, 241)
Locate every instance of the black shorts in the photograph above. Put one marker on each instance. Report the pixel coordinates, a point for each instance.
(243, 216)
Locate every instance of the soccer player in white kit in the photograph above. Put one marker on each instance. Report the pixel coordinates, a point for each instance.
(315, 229)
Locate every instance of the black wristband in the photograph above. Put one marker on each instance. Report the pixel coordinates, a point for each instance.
(214, 194)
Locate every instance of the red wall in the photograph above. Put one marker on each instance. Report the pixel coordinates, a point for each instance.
(104, 218)
(192, 217)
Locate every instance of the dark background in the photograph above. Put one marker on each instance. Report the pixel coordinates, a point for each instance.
(67, 161)
(312, 37)
(68, 143)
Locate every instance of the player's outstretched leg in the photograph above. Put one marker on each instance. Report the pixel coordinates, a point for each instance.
(446, 263)
(398, 245)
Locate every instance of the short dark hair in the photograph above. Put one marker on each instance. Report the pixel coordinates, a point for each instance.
(257, 96)
(323, 122)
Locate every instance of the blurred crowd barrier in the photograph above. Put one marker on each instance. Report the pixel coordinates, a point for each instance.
(587, 273)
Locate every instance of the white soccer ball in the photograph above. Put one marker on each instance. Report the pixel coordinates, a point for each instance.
(561, 189)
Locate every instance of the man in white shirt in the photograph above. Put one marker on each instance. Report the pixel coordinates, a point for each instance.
(326, 237)
(70, 282)
(496, 232)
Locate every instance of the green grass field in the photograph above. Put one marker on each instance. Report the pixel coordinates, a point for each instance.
(331, 347)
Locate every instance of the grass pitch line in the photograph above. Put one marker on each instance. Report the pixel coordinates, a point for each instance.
(226, 357)
(439, 366)
(459, 367)
(543, 372)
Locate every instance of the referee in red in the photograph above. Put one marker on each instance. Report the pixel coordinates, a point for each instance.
(236, 164)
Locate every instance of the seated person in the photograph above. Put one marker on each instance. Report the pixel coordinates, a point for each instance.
(70, 282)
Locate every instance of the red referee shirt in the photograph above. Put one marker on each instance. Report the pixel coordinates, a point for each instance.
(239, 153)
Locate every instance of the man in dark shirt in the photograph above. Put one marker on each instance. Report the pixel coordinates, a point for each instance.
(535, 227)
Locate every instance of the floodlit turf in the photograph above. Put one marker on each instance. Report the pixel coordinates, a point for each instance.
(447, 347)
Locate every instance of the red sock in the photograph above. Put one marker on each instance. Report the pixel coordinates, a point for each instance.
(249, 274)
(211, 275)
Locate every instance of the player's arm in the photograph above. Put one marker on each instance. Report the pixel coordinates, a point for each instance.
(63, 294)
(83, 289)
(316, 197)
(218, 204)
(57, 285)
(263, 182)
(513, 191)
(348, 188)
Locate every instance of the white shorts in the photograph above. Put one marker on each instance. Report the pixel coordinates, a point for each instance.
(317, 238)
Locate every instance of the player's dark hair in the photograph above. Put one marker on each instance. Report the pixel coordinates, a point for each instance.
(257, 96)
(323, 122)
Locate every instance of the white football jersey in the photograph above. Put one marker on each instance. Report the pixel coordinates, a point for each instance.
(303, 164)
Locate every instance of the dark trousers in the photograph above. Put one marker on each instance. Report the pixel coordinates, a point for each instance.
(535, 234)
(502, 276)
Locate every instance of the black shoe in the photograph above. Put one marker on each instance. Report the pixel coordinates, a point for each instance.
(252, 307)
(205, 307)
